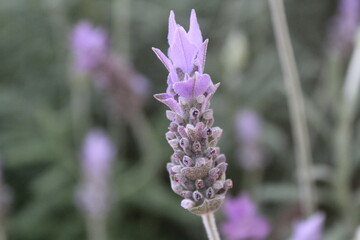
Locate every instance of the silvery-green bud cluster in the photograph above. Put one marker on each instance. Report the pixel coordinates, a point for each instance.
(197, 168)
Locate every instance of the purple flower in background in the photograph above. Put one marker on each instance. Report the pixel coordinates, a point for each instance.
(249, 129)
(248, 125)
(197, 168)
(243, 220)
(89, 45)
(125, 88)
(97, 153)
(97, 156)
(309, 229)
(345, 24)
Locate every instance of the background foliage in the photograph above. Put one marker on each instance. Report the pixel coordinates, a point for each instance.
(40, 137)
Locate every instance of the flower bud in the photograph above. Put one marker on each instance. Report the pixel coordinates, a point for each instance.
(197, 196)
(210, 193)
(196, 147)
(186, 194)
(187, 204)
(199, 184)
(194, 113)
(187, 161)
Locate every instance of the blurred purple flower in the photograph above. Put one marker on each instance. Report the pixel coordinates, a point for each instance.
(244, 221)
(248, 126)
(89, 45)
(186, 60)
(309, 229)
(345, 24)
(249, 129)
(98, 153)
(125, 88)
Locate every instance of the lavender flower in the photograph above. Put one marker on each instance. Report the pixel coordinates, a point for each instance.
(89, 45)
(344, 25)
(126, 89)
(309, 229)
(97, 155)
(248, 128)
(244, 222)
(197, 169)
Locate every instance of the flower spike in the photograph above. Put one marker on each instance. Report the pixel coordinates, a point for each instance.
(197, 168)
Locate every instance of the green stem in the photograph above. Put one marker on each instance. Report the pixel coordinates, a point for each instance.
(116, 127)
(79, 85)
(121, 15)
(296, 105)
(80, 104)
(252, 179)
(2, 232)
(344, 137)
(210, 226)
(96, 229)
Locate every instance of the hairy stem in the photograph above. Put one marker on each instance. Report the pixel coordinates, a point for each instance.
(96, 229)
(344, 137)
(210, 226)
(2, 232)
(296, 105)
(121, 14)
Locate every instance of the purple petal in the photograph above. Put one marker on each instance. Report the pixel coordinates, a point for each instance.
(194, 30)
(170, 89)
(187, 203)
(97, 153)
(182, 51)
(193, 87)
(212, 89)
(202, 83)
(201, 55)
(167, 63)
(261, 228)
(172, 28)
(309, 229)
(169, 80)
(89, 45)
(248, 126)
(168, 100)
(173, 75)
(244, 221)
(239, 206)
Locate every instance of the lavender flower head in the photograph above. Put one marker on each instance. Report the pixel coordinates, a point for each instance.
(244, 221)
(197, 169)
(345, 24)
(248, 129)
(97, 156)
(89, 45)
(125, 88)
(309, 229)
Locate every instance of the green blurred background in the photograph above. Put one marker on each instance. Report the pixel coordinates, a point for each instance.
(42, 131)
